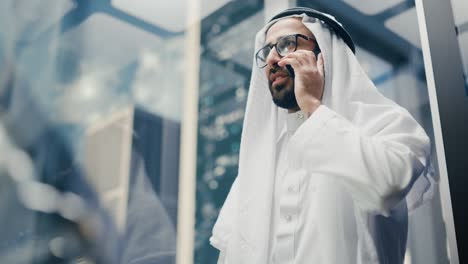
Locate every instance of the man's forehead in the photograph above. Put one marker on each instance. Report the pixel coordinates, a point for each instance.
(287, 26)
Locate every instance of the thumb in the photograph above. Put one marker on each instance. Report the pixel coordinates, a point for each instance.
(320, 64)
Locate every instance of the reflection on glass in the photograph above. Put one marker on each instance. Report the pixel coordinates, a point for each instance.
(372, 7)
(405, 24)
(89, 134)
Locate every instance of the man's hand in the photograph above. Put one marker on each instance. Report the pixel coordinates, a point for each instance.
(309, 78)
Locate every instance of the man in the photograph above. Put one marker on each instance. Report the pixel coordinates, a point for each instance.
(328, 166)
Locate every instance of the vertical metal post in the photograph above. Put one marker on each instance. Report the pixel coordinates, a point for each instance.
(449, 108)
(188, 144)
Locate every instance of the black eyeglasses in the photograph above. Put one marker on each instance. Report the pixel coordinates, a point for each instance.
(284, 46)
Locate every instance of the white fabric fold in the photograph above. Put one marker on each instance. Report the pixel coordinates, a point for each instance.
(380, 154)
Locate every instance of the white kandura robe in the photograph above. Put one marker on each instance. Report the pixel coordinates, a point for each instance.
(354, 161)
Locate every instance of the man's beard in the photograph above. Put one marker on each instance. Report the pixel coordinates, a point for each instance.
(285, 98)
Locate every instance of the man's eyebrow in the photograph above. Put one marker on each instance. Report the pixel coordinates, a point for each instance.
(269, 42)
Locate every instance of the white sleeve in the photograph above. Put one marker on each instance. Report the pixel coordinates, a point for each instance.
(377, 170)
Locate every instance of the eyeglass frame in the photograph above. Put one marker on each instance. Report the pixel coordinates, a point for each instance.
(316, 50)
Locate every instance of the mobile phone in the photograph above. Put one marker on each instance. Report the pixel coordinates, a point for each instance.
(291, 70)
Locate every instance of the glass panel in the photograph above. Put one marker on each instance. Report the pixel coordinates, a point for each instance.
(405, 25)
(460, 11)
(372, 7)
(171, 15)
(90, 117)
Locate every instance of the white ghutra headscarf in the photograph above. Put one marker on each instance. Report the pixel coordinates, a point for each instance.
(242, 231)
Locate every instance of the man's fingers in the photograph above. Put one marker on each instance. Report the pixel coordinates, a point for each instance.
(305, 56)
(320, 64)
(294, 62)
(301, 58)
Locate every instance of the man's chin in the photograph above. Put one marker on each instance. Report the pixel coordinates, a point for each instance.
(284, 105)
(288, 103)
(283, 95)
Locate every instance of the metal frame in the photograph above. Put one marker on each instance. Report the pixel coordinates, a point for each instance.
(449, 107)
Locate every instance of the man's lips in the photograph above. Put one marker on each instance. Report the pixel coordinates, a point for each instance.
(278, 79)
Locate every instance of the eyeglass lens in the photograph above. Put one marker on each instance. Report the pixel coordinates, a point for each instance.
(285, 45)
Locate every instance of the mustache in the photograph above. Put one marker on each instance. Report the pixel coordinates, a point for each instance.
(275, 72)
(278, 69)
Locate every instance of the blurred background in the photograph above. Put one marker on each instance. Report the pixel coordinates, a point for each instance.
(91, 119)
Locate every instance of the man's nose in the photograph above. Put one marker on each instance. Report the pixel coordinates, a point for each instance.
(273, 57)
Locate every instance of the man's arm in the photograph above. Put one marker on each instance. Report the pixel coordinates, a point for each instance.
(377, 170)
